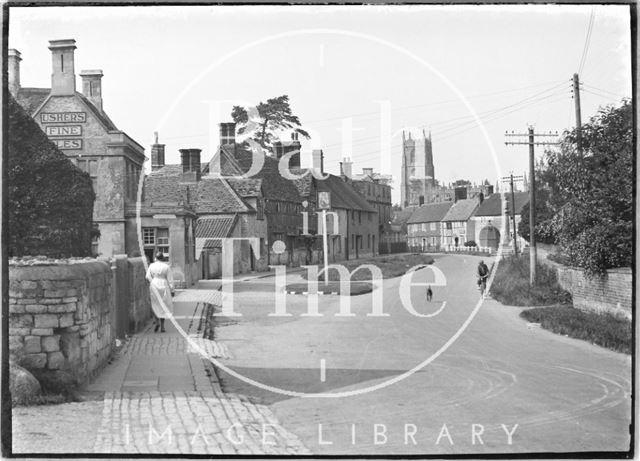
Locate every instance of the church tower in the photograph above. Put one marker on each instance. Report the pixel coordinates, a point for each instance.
(418, 175)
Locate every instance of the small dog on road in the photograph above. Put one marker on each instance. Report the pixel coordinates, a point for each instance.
(429, 293)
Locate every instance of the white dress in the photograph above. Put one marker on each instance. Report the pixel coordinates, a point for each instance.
(161, 286)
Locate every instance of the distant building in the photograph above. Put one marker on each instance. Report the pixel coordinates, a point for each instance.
(457, 225)
(78, 124)
(418, 173)
(424, 229)
(376, 189)
(487, 220)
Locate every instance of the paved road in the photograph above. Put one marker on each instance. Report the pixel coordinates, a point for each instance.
(563, 394)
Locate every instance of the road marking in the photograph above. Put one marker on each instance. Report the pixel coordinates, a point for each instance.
(323, 370)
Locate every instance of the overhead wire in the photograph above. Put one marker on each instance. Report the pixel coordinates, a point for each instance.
(587, 41)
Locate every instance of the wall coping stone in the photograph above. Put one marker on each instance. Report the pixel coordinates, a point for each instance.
(76, 271)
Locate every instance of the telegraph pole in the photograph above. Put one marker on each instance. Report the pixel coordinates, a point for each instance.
(576, 100)
(532, 188)
(510, 178)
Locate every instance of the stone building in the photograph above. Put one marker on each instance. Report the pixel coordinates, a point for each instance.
(376, 189)
(457, 227)
(78, 124)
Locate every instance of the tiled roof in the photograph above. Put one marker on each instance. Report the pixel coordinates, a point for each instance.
(249, 187)
(32, 98)
(210, 230)
(215, 195)
(402, 216)
(461, 210)
(343, 194)
(492, 205)
(209, 195)
(237, 160)
(303, 184)
(432, 212)
(104, 118)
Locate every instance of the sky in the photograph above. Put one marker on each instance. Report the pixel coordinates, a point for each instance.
(357, 76)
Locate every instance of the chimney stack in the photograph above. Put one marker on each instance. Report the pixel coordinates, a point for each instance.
(14, 71)
(346, 168)
(227, 133)
(63, 77)
(317, 160)
(190, 164)
(92, 86)
(157, 154)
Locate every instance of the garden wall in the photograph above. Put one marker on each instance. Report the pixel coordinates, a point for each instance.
(609, 294)
(67, 315)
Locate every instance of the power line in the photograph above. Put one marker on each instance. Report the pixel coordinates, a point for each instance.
(604, 91)
(601, 95)
(587, 41)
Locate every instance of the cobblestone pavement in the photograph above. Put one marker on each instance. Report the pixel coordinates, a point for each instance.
(191, 423)
(160, 396)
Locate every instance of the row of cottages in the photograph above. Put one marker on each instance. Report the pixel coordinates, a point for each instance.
(449, 225)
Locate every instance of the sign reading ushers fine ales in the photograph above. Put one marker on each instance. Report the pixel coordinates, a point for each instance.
(53, 131)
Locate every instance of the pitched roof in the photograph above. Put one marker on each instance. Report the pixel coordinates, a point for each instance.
(32, 98)
(210, 230)
(461, 210)
(343, 194)
(432, 212)
(237, 159)
(209, 195)
(402, 216)
(303, 184)
(492, 205)
(249, 187)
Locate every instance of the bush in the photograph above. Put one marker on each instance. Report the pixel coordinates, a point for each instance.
(511, 284)
(49, 200)
(603, 330)
(470, 243)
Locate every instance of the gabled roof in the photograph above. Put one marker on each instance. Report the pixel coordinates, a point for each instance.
(237, 159)
(303, 184)
(432, 212)
(461, 210)
(32, 98)
(492, 205)
(250, 187)
(209, 195)
(402, 216)
(343, 194)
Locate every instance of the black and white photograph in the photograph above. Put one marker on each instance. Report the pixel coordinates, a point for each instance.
(302, 230)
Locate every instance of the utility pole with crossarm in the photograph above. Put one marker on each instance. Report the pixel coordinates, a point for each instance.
(531, 142)
(510, 179)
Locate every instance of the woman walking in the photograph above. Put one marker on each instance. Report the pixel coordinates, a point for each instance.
(161, 286)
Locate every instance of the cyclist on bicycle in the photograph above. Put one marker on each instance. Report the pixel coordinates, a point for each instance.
(483, 274)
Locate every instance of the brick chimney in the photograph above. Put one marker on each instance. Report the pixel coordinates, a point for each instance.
(63, 77)
(157, 154)
(190, 164)
(14, 71)
(367, 171)
(294, 161)
(317, 160)
(92, 86)
(227, 133)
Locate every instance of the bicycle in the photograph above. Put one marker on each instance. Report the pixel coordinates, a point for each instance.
(482, 285)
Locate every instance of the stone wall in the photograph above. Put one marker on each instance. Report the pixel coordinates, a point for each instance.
(67, 315)
(610, 294)
(60, 316)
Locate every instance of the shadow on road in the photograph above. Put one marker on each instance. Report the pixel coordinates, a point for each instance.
(305, 380)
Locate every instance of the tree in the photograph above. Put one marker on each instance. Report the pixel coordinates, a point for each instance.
(49, 200)
(544, 210)
(261, 123)
(591, 193)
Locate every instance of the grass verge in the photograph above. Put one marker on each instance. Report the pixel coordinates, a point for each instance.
(602, 329)
(390, 266)
(355, 288)
(511, 284)
(57, 387)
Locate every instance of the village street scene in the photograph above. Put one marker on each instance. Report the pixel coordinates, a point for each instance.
(377, 230)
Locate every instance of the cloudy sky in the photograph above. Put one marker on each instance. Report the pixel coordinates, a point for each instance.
(357, 76)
